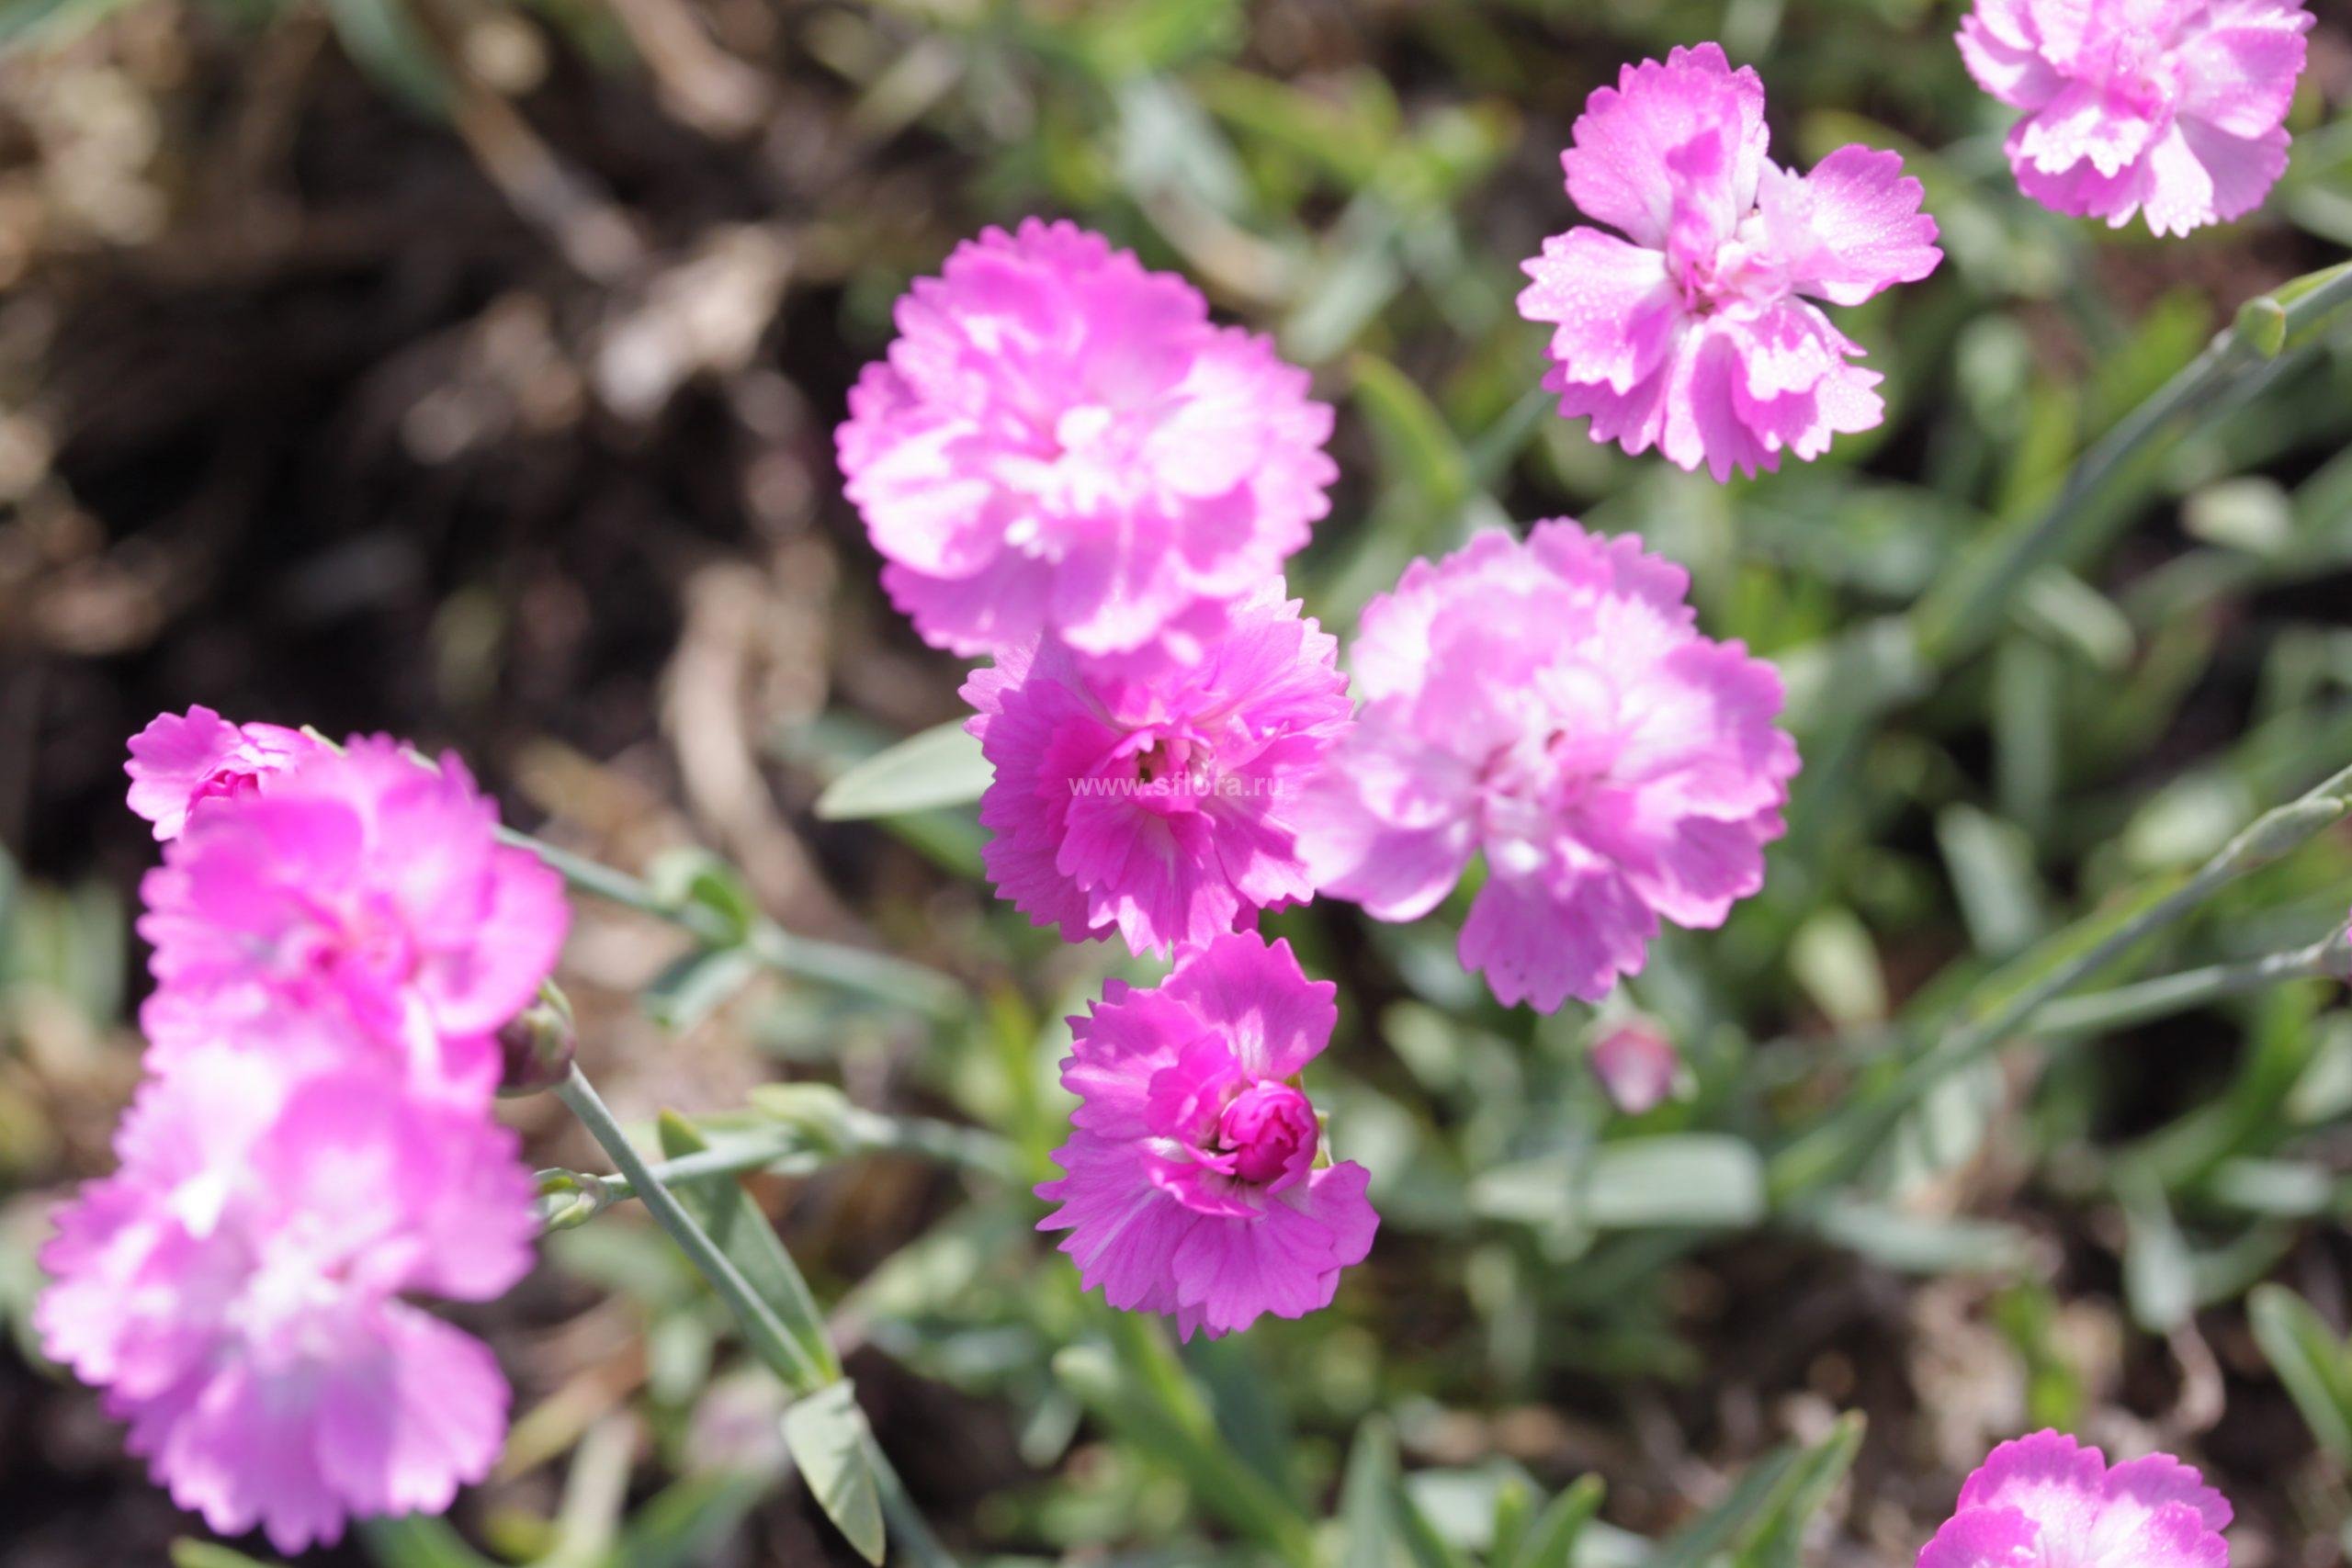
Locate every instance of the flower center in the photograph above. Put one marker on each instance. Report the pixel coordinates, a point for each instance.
(1269, 1130)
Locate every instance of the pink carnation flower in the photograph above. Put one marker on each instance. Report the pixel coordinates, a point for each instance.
(1691, 332)
(1192, 1184)
(2175, 108)
(1551, 704)
(1061, 441)
(235, 1289)
(2044, 1499)
(181, 761)
(1160, 806)
(366, 886)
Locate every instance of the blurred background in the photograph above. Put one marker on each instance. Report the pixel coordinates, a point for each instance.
(469, 371)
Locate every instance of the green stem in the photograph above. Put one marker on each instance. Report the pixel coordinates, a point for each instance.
(869, 974)
(762, 1330)
(1956, 620)
(2170, 994)
(1995, 1012)
(572, 1198)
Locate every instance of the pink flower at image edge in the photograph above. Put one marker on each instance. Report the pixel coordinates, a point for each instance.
(2045, 1498)
(1191, 1183)
(235, 1289)
(367, 885)
(1693, 329)
(2176, 110)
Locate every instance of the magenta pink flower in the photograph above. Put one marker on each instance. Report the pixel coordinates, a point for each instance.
(181, 761)
(235, 1288)
(1061, 441)
(1551, 704)
(1158, 804)
(2044, 1499)
(365, 885)
(1193, 1183)
(2174, 108)
(1690, 332)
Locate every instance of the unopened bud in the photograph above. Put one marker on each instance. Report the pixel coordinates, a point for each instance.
(536, 1044)
(1636, 1065)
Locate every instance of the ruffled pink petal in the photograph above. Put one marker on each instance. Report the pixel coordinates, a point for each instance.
(1259, 1001)
(1985, 1538)
(1851, 228)
(1541, 946)
(1612, 310)
(400, 1430)
(1694, 110)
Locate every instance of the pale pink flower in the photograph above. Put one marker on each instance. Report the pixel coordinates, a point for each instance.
(235, 1288)
(1192, 1184)
(1637, 1065)
(1158, 804)
(1551, 704)
(181, 761)
(366, 886)
(2173, 109)
(1061, 441)
(1692, 332)
(2044, 1499)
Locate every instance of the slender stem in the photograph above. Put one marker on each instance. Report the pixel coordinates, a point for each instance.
(766, 1335)
(2170, 994)
(573, 1196)
(870, 973)
(1957, 619)
(1994, 1013)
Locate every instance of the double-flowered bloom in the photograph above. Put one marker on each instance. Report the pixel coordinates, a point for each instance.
(367, 885)
(236, 1286)
(1194, 1180)
(2045, 1499)
(2175, 109)
(1550, 703)
(1060, 441)
(1158, 806)
(1693, 329)
(337, 936)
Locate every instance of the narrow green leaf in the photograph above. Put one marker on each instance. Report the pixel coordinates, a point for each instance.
(1417, 447)
(2159, 1280)
(828, 1435)
(1141, 1392)
(685, 1522)
(186, 1553)
(1778, 1534)
(2310, 1360)
(419, 1540)
(1367, 1526)
(383, 39)
(941, 766)
(1550, 1542)
(1679, 1178)
(698, 984)
(741, 1231)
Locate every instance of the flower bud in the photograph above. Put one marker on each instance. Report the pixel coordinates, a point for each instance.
(1636, 1065)
(536, 1044)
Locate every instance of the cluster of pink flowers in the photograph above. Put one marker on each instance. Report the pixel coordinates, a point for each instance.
(337, 935)
(1067, 469)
